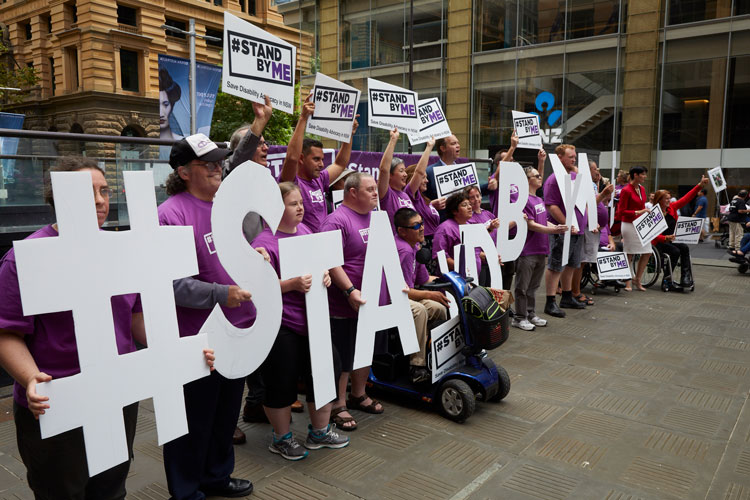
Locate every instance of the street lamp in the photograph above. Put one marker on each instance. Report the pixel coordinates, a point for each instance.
(192, 34)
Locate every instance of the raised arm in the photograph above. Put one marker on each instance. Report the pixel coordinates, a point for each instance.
(384, 176)
(293, 151)
(421, 171)
(249, 143)
(345, 153)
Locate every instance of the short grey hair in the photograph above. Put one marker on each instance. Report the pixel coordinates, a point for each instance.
(237, 135)
(395, 163)
(354, 180)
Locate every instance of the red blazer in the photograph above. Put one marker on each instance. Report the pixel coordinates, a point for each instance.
(629, 203)
(673, 208)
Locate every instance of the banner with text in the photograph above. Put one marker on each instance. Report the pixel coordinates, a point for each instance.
(650, 225)
(447, 342)
(335, 109)
(432, 122)
(257, 64)
(451, 178)
(390, 106)
(526, 126)
(612, 266)
(688, 230)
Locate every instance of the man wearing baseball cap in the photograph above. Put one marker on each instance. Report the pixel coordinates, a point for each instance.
(200, 463)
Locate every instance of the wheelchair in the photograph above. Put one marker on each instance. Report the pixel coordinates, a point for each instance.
(662, 263)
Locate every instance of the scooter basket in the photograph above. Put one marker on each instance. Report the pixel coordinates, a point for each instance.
(488, 319)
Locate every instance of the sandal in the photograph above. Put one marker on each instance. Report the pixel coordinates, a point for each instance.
(340, 421)
(355, 403)
(586, 300)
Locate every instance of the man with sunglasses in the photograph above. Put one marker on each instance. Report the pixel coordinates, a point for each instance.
(426, 306)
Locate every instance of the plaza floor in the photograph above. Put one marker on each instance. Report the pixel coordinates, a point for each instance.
(642, 396)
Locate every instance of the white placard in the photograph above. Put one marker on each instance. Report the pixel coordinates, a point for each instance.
(586, 197)
(337, 196)
(257, 64)
(688, 230)
(613, 266)
(452, 178)
(526, 126)
(447, 342)
(432, 122)
(476, 236)
(335, 108)
(650, 225)
(511, 175)
(717, 179)
(391, 107)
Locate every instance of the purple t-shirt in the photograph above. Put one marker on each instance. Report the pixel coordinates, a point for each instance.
(414, 272)
(552, 196)
(484, 217)
(355, 231)
(447, 236)
(430, 215)
(184, 209)
(50, 338)
(536, 243)
(602, 218)
(494, 199)
(314, 199)
(393, 200)
(294, 315)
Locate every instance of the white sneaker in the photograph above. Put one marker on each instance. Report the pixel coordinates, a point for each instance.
(537, 321)
(522, 324)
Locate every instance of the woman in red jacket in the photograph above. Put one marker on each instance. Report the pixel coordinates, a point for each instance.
(631, 206)
(665, 241)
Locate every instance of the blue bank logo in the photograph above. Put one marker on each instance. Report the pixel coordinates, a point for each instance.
(545, 101)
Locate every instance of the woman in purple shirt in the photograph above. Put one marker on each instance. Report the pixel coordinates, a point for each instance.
(289, 358)
(448, 234)
(394, 191)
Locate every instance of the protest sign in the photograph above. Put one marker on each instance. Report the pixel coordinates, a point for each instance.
(717, 179)
(510, 178)
(447, 342)
(526, 126)
(432, 122)
(613, 266)
(650, 225)
(451, 178)
(688, 230)
(257, 64)
(390, 107)
(337, 197)
(335, 108)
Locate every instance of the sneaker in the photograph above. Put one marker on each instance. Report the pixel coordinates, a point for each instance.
(419, 374)
(287, 447)
(537, 321)
(523, 324)
(331, 439)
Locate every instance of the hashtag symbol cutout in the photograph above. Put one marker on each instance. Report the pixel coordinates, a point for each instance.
(80, 271)
(235, 45)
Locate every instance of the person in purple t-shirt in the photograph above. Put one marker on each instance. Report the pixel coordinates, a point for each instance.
(41, 348)
(448, 234)
(426, 208)
(352, 218)
(556, 272)
(289, 359)
(491, 222)
(200, 463)
(530, 264)
(426, 306)
(313, 180)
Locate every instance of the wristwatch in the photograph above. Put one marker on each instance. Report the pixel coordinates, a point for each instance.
(349, 291)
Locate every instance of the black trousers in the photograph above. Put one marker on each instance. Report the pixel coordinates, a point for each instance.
(56, 467)
(204, 458)
(676, 251)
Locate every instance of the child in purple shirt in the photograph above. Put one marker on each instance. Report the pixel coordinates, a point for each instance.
(448, 234)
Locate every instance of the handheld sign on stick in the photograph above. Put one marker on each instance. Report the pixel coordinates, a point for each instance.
(432, 122)
(335, 108)
(391, 107)
(526, 126)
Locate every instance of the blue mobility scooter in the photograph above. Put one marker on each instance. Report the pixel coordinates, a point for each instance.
(462, 372)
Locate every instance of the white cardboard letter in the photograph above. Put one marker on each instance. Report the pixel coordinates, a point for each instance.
(476, 236)
(511, 173)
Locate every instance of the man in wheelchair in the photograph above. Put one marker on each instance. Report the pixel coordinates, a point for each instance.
(427, 307)
(672, 252)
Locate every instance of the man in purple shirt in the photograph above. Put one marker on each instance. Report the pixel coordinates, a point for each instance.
(556, 214)
(313, 180)
(352, 218)
(426, 306)
(199, 463)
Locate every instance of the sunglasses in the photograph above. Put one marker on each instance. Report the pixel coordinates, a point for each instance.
(415, 227)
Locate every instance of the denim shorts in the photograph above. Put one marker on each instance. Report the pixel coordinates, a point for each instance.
(554, 263)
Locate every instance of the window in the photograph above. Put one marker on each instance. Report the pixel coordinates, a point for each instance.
(71, 14)
(30, 65)
(217, 34)
(737, 128)
(52, 73)
(129, 70)
(71, 69)
(47, 22)
(127, 15)
(176, 24)
(248, 6)
(27, 30)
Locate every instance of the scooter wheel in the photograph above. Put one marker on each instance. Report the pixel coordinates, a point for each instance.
(743, 268)
(503, 385)
(456, 400)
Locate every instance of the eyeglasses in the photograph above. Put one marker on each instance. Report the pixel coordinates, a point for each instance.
(105, 192)
(415, 227)
(209, 165)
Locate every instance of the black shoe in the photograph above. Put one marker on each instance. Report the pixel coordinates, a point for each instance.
(737, 259)
(254, 414)
(419, 374)
(572, 303)
(552, 310)
(238, 437)
(235, 488)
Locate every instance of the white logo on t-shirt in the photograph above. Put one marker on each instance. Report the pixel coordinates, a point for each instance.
(434, 210)
(405, 203)
(209, 237)
(317, 196)
(540, 209)
(365, 234)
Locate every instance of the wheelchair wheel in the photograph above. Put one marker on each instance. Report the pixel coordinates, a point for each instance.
(653, 268)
